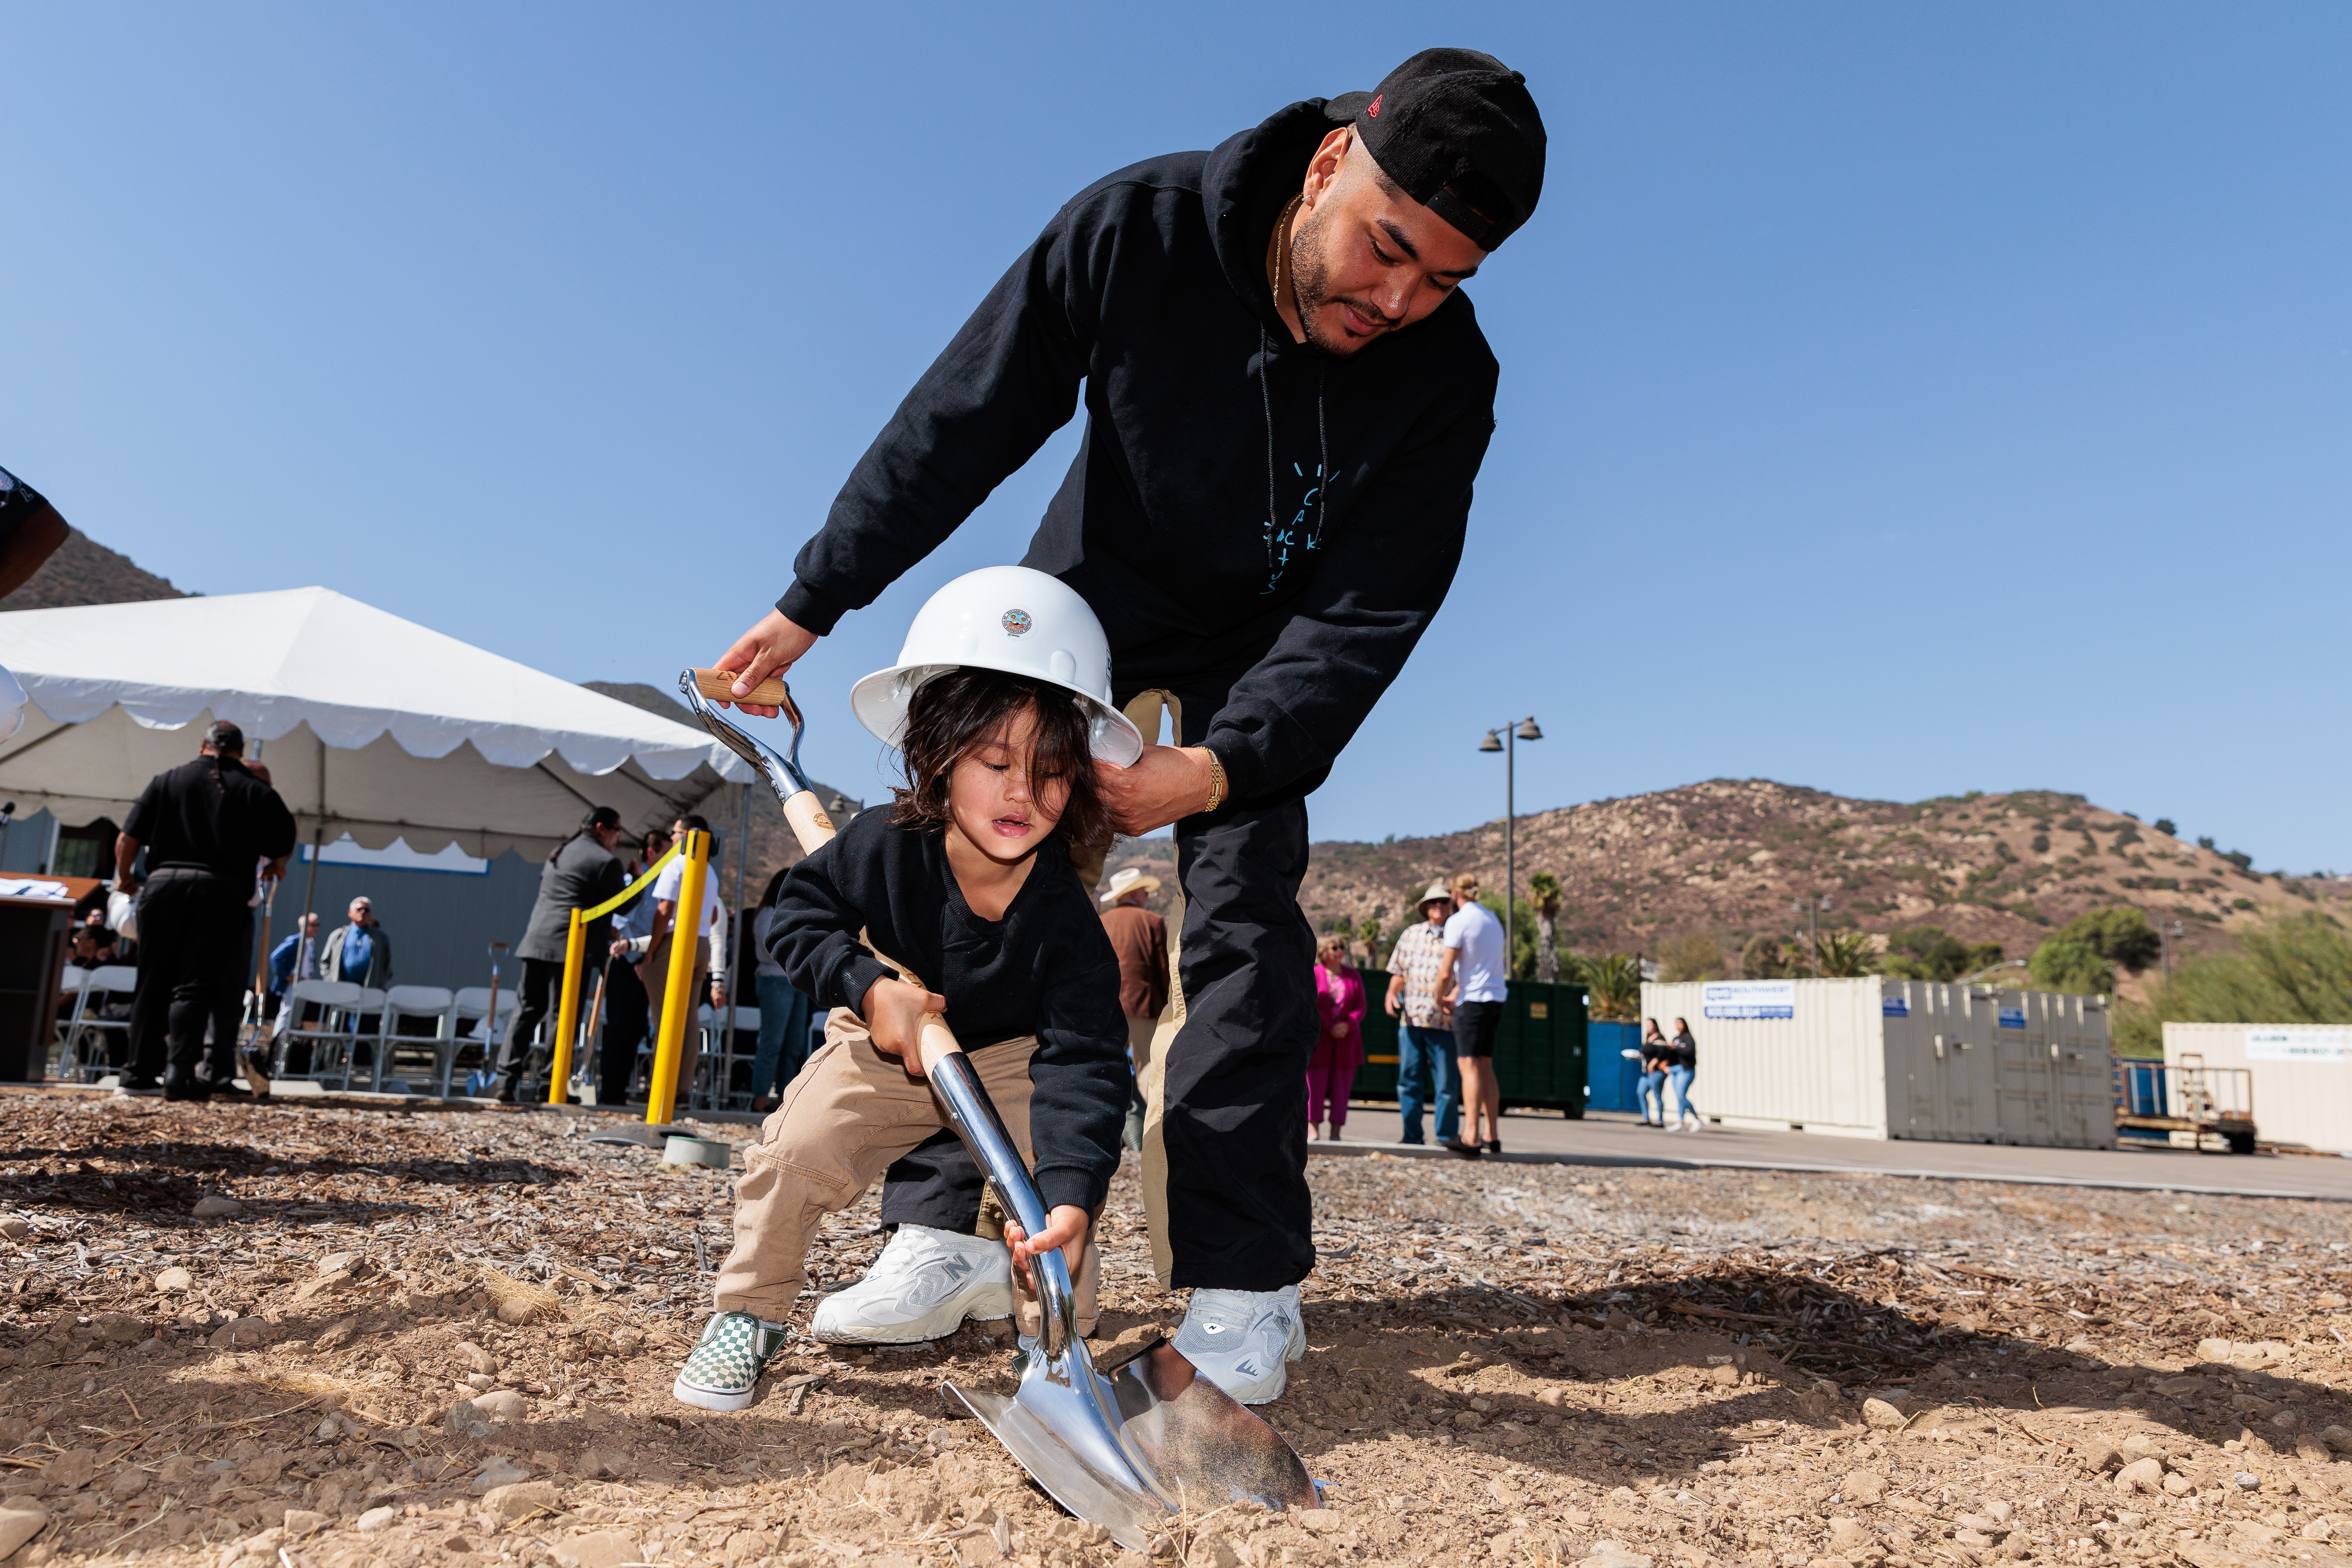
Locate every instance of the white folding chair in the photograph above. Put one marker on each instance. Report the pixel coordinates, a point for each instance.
(369, 1006)
(86, 1036)
(714, 1071)
(406, 1001)
(329, 1035)
(70, 985)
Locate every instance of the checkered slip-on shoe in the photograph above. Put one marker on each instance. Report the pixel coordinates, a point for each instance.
(724, 1367)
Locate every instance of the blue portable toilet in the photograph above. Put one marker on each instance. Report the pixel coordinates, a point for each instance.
(1612, 1076)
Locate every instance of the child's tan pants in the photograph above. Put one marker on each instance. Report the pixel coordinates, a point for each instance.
(844, 1117)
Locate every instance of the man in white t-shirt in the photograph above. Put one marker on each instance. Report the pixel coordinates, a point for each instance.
(1470, 978)
(709, 950)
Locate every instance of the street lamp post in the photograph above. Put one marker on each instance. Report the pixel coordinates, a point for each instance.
(1811, 909)
(1525, 730)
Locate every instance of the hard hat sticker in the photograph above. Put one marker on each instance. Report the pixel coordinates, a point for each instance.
(1017, 623)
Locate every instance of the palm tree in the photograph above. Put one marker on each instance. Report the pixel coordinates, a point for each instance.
(1543, 891)
(1615, 983)
(1843, 955)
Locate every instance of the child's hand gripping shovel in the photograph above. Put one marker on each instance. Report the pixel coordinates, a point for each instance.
(1121, 1450)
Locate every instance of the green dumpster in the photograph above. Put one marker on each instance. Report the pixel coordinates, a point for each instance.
(1540, 1052)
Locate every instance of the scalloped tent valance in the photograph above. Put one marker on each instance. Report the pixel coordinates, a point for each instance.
(370, 724)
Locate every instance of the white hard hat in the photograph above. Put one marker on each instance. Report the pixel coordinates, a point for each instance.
(122, 915)
(1012, 618)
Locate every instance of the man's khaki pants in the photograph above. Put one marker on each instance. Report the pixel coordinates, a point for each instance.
(850, 1112)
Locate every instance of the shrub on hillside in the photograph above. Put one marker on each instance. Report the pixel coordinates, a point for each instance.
(1766, 957)
(1931, 952)
(2083, 954)
(2070, 964)
(1694, 955)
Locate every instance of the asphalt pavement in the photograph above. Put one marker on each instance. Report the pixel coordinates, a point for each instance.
(1608, 1139)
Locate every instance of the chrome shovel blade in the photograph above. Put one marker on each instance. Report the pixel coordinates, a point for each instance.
(1036, 1426)
(1201, 1440)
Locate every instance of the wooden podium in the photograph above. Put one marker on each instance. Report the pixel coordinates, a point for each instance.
(35, 936)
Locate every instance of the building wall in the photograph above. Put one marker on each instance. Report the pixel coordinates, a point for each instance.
(2306, 1102)
(441, 922)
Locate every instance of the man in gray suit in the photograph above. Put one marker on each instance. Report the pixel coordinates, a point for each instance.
(580, 873)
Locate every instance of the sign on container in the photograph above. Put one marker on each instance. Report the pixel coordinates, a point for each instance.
(2294, 1044)
(1749, 999)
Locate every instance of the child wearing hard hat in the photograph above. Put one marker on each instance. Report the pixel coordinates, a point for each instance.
(999, 705)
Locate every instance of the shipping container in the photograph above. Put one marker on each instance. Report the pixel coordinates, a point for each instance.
(1874, 1058)
(1539, 1051)
(2300, 1076)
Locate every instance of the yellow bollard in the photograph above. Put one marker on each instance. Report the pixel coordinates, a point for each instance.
(567, 1010)
(678, 1010)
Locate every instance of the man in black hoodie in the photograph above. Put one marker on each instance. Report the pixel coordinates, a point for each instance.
(1287, 399)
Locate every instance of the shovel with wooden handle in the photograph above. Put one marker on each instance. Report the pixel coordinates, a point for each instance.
(1122, 1449)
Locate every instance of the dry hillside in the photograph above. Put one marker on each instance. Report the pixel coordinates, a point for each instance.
(1727, 858)
(84, 572)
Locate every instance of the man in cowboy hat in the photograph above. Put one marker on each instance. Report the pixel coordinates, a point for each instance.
(1424, 1027)
(1140, 940)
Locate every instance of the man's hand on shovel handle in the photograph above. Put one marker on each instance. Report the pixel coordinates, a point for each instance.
(771, 648)
(1165, 784)
(1065, 1227)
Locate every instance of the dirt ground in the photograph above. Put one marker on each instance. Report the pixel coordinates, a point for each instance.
(446, 1337)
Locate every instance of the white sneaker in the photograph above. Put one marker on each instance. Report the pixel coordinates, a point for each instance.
(1243, 1340)
(923, 1287)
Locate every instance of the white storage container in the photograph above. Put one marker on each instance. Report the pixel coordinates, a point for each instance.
(1873, 1057)
(2302, 1075)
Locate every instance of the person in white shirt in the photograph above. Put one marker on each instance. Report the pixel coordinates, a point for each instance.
(709, 949)
(1471, 976)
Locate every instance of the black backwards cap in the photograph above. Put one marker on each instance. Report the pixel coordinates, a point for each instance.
(1458, 131)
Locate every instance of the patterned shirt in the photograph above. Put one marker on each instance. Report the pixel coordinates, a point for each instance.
(1417, 955)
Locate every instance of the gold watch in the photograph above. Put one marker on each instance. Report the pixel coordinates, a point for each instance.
(1216, 782)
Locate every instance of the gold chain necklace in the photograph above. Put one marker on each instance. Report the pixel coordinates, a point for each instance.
(1282, 248)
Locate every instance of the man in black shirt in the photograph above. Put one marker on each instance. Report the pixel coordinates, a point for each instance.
(1288, 397)
(205, 825)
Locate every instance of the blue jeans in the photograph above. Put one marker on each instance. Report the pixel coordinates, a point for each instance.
(1681, 1081)
(1423, 1055)
(784, 1033)
(1654, 1093)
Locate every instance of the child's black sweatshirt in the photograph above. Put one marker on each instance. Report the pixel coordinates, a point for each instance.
(1045, 969)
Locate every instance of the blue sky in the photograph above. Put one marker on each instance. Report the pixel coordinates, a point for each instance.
(1898, 400)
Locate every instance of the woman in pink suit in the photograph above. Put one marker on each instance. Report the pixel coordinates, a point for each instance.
(1339, 1050)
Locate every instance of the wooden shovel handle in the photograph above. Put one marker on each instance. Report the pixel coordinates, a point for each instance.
(807, 820)
(718, 686)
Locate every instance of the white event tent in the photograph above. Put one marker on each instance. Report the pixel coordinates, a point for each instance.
(370, 725)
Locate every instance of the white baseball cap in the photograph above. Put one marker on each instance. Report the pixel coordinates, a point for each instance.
(1013, 618)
